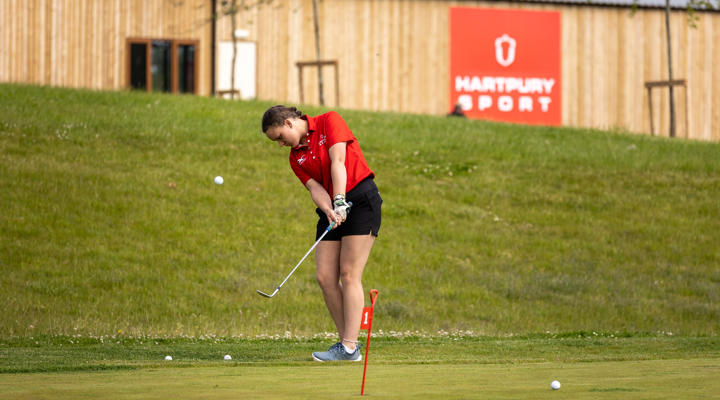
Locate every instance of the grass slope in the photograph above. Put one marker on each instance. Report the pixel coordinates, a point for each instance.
(110, 222)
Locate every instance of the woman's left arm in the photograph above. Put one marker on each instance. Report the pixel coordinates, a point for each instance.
(338, 173)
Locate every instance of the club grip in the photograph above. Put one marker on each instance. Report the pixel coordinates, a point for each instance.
(332, 224)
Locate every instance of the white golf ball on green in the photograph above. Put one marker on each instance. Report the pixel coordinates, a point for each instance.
(227, 357)
(555, 385)
(168, 358)
(219, 180)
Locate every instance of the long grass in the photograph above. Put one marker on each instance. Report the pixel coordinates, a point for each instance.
(110, 222)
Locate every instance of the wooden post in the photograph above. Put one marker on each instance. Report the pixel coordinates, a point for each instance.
(319, 64)
(300, 82)
(317, 52)
(652, 123)
(670, 70)
(649, 85)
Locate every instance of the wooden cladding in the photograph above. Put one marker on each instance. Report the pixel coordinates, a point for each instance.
(83, 43)
(393, 55)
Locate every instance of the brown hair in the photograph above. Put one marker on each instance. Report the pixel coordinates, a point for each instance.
(276, 115)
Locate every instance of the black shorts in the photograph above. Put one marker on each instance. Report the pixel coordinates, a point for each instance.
(364, 216)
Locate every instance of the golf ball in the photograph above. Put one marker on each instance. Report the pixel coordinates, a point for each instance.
(227, 357)
(219, 180)
(555, 385)
(168, 358)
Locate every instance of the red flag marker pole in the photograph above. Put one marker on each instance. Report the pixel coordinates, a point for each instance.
(366, 323)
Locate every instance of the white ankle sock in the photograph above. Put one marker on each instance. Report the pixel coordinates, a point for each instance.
(348, 350)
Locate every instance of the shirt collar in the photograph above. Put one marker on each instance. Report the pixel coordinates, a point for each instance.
(312, 124)
(311, 129)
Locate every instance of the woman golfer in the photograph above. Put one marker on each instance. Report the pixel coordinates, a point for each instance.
(327, 159)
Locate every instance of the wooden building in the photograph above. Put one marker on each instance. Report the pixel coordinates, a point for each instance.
(392, 55)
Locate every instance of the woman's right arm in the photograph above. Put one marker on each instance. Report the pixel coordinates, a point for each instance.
(322, 200)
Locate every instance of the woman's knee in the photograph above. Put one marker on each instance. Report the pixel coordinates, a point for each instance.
(350, 276)
(326, 279)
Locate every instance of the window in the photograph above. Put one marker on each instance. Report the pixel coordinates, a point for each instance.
(157, 65)
(186, 68)
(161, 71)
(138, 62)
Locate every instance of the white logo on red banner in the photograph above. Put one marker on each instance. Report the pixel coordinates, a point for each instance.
(500, 51)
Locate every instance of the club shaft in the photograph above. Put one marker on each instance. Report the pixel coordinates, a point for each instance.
(305, 256)
(328, 229)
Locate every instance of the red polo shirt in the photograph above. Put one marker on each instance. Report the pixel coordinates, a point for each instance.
(313, 160)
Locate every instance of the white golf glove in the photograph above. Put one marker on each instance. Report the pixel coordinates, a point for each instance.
(341, 207)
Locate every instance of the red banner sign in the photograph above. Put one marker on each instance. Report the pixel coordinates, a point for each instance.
(505, 65)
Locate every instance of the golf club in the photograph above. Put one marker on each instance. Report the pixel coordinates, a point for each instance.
(328, 229)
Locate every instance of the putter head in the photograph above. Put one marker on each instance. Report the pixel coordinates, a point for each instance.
(261, 293)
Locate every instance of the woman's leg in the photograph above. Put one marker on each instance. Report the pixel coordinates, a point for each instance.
(327, 261)
(354, 253)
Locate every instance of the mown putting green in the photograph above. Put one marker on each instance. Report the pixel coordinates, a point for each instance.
(656, 379)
